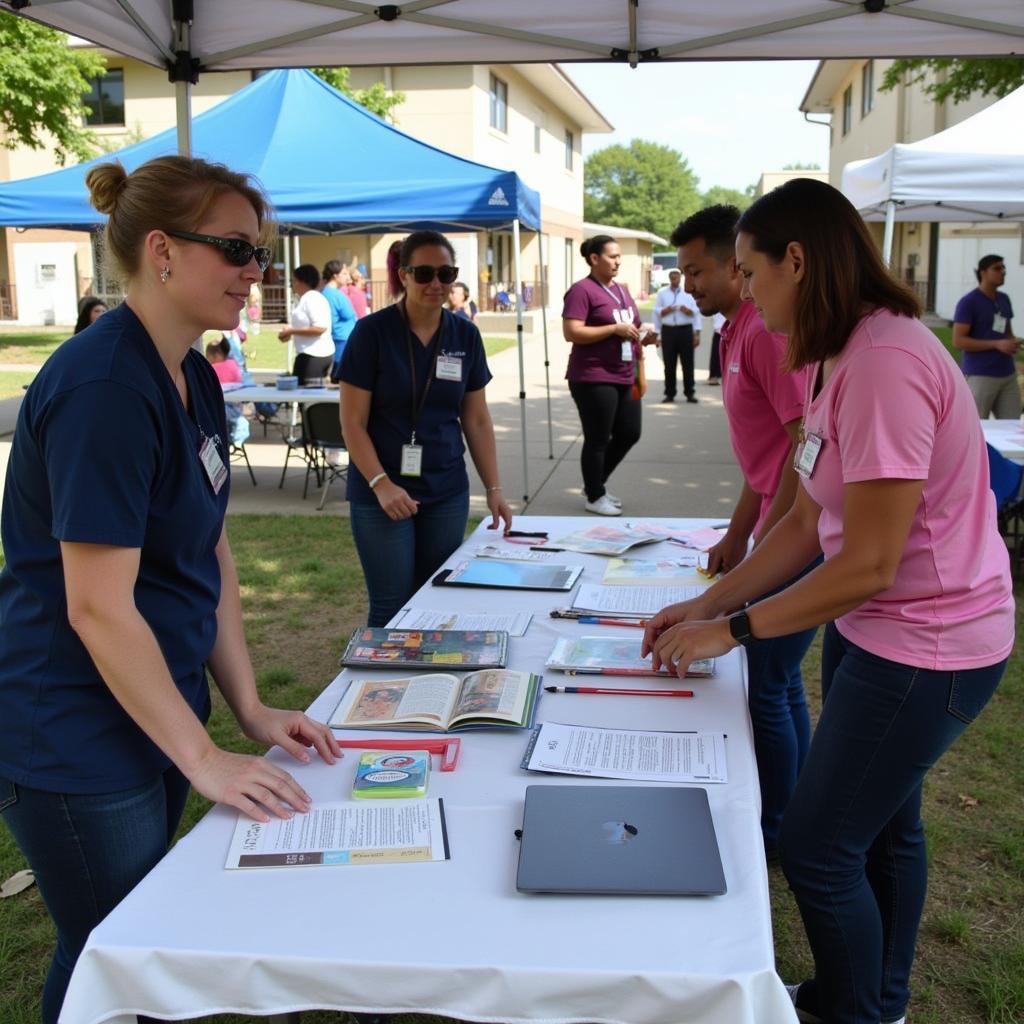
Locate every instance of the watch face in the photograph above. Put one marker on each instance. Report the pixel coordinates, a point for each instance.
(739, 627)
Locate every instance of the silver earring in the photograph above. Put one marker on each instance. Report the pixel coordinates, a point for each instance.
(164, 274)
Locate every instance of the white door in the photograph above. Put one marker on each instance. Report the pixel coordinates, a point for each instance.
(44, 274)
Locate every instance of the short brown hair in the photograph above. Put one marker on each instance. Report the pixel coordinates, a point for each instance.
(170, 193)
(844, 271)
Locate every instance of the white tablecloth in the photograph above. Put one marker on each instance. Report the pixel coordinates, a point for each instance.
(455, 938)
(1006, 436)
(261, 393)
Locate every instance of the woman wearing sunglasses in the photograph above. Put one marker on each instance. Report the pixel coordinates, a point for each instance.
(412, 387)
(120, 590)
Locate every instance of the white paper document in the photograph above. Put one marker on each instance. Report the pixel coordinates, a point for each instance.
(333, 834)
(627, 754)
(510, 554)
(428, 618)
(635, 602)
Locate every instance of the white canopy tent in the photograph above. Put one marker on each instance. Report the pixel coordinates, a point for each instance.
(973, 171)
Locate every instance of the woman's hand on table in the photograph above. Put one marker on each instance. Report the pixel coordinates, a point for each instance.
(292, 731)
(395, 500)
(499, 509)
(680, 645)
(726, 554)
(697, 609)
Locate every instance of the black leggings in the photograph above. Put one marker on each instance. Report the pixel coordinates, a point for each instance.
(307, 367)
(611, 426)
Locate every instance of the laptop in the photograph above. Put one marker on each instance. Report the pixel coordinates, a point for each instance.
(634, 840)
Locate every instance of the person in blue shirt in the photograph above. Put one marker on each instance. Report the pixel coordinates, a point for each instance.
(343, 314)
(412, 387)
(119, 590)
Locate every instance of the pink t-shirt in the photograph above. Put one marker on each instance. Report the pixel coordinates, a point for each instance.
(896, 406)
(228, 371)
(759, 398)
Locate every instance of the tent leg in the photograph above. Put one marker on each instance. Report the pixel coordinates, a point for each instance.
(544, 325)
(183, 107)
(519, 342)
(890, 225)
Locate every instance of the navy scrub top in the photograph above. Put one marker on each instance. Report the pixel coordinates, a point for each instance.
(376, 359)
(105, 453)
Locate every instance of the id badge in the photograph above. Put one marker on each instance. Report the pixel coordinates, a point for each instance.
(999, 323)
(412, 460)
(213, 464)
(627, 351)
(807, 455)
(449, 368)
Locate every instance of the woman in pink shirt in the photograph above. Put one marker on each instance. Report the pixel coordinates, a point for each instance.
(915, 588)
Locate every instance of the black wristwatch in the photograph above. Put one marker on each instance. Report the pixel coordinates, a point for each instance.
(739, 627)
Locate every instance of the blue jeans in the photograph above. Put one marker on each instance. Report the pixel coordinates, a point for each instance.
(88, 851)
(778, 714)
(852, 845)
(399, 557)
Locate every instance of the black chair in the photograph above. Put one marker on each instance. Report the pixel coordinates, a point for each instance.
(302, 447)
(322, 424)
(237, 452)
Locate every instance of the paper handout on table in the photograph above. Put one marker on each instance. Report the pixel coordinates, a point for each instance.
(343, 833)
(638, 572)
(703, 539)
(613, 656)
(511, 554)
(627, 754)
(630, 602)
(428, 618)
(606, 540)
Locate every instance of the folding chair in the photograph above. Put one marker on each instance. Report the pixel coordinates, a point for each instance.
(1007, 481)
(323, 435)
(238, 434)
(301, 446)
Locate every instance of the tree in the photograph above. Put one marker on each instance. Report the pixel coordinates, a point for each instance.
(957, 78)
(644, 186)
(42, 85)
(720, 195)
(376, 99)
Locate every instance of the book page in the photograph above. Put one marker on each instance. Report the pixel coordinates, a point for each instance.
(627, 754)
(613, 655)
(638, 572)
(493, 693)
(428, 699)
(633, 602)
(428, 618)
(343, 833)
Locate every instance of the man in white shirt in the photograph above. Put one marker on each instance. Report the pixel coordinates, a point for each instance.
(676, 320)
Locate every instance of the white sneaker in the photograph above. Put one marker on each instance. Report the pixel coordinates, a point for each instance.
(603, 507)
(617, 502)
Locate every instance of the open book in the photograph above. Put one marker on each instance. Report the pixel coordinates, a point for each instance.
(612, 656)
(490, 698)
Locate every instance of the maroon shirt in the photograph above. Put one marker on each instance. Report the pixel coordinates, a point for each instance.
(600, 362)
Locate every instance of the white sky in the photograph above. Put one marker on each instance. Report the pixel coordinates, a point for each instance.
(731, 120)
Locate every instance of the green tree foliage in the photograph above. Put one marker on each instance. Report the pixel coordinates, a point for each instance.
(720, 195)
(42, 84)
(957, 78)
(644, 186)
(376, 99)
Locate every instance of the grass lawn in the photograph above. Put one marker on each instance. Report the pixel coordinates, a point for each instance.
(30, 347)
(12, 382)
(303, 592)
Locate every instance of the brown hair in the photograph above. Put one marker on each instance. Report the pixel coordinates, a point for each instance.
(170, 193)
(844, 275)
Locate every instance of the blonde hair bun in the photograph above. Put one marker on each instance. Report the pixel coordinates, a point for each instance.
(106, 183)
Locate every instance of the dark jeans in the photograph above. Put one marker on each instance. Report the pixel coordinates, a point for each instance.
(714, 364)
(611, 421)
(852, 844)
(778, 714)
(88, 851)
(399, 557)
(677, 343)
(308, 367)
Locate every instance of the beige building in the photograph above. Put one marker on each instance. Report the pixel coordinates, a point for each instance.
(527, 118)
(773, 179)
(866, 122)
(637, 248)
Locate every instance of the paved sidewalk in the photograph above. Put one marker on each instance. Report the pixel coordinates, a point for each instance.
(682, 464)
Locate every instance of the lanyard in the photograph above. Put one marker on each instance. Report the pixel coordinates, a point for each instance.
(620, 301)
(417, 407)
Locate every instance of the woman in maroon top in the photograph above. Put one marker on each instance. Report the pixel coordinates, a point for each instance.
(601, 322)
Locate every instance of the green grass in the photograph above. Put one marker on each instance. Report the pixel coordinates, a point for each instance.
(492, 346)
(12, 382)
(303, 592)
(30, 347)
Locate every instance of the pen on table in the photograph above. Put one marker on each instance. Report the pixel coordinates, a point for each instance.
(595, 620)
(542, 547)
(618, 692)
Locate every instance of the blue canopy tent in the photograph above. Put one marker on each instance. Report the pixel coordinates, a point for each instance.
(329, 167)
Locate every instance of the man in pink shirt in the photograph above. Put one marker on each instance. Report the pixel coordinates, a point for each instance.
(763, 404)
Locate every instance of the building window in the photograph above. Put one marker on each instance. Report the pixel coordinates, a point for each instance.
(536, 138)
(867, 88)
(499, 104)
(105, 98)
(568, 150)
(847, 109)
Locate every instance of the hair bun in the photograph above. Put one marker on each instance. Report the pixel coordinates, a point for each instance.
(106, 182)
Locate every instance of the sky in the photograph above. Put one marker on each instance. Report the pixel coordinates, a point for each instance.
(730, 120)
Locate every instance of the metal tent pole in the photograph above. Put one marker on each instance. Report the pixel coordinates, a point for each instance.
(544, 324)
(519, 341)
(887, 239)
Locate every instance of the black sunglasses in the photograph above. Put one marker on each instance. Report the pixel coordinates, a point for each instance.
(236, 251)
(424, 273)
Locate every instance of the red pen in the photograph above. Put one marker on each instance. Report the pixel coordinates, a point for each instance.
(594, 620)
(619, 693)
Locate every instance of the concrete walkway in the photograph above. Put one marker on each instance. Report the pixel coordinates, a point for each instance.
(682, 464)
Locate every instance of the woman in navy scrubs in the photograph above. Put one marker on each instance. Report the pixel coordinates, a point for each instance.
(120, 589)
(412, 386)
